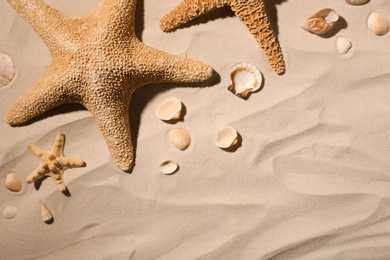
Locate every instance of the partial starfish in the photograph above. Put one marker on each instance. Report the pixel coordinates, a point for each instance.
(251, 12)
(53, 163)
(97, 61)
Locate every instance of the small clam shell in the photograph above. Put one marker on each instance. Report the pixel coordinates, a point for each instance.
(10, 212)
(357, 2)
(343, 45)
(45, 213)
(226, 137)
(169, 109)
(180, 138)
(168, 167)
(7, 69)
(246, 78)
(321, 22)
(13, 182)
(378, 24)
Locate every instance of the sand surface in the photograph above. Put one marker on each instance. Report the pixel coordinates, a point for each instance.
(311, 179)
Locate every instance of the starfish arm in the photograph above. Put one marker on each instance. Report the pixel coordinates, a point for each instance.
(51, 24)
(253, 14)
(58, 179)
(36, 150)
(112, 118)
(37, 174)
(58, 145)
(189, 10)
(165, 67)
(71, 162)
(49, 91)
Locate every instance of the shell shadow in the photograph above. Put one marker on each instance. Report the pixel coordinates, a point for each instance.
(338, 26)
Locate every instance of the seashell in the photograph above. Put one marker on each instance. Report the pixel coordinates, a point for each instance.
(343, 45)
(226, 137)
(169, 109)
(180, 138)
(45, 213)
(246, 78)
(13, 182)
(10, 212)
(168, 167)
(378, 24)
(7, 69)
(321, 22)
(357, 2)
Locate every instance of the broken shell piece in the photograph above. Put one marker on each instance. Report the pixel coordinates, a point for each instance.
(169, 109)
(378, 24)
(45, 213)
(180, 138)
(321, 22)
(343, 45)
(357, 2)
(168, 167)
(226, 137)
(246, 78)
(10, 212)
(13, 182)
(7, 69)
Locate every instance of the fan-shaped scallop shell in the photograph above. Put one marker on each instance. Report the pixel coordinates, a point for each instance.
(168, 167)
(246, 78)
(169, 109)
(13, 182)
(180, 138)
(226, 137)
(7, 69)
(378, 24)
(343, 45)
(321, 22)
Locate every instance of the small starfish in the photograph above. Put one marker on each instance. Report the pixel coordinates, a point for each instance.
(53, 163)
(97, 61)
(251, 12)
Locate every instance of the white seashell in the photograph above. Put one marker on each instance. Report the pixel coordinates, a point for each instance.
(378, 24)
(7, 69)
(226, 137)
(169, 109)
(180, 138)
(246, 78)
(343, 45)
(168, 167)
(357, 2)
(321, 22)
(10, 212)
(13, 182)
(45, 213)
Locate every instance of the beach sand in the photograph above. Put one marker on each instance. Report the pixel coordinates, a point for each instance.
(310, 180)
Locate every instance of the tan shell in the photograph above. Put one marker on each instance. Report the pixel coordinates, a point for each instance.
(226, 137)
(321, 22)
(343, 45)
(13, 182)
(168, 167)
(378, 24)
(169, 109)
(180, 138)
(7, 69)
(45, 213)
(246, 78)
(357, 2)
(10, 212)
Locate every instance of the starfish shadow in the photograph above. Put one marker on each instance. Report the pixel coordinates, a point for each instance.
(139, 19)
(273, 14)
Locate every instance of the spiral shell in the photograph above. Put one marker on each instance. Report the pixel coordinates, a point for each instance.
(321, 22)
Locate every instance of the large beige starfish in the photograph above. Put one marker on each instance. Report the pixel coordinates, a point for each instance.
(53, 163)
(251, 12)
(97, 61)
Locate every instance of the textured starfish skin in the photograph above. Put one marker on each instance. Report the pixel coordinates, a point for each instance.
(250, 12)
(53, 163)
(97, 61)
